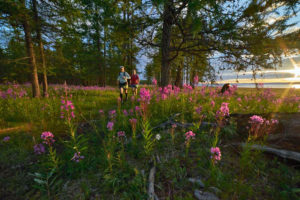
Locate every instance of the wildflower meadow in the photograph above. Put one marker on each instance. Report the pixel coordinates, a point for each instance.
(164, 143)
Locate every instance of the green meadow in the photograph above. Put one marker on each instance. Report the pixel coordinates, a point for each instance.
(116, 166)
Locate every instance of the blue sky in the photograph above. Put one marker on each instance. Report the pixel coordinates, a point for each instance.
(143, 60)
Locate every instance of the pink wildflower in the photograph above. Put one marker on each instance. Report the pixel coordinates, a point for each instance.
(6, 139)
(216, 153)
(154, 81)
(133, 121)
(199, 110)
(255, 119)
(48, 138)
(39, 149)
(145, 95)
(77, 157)
(189, 135)
(212, 103)
(224, 109)
(121, 134)
(196, 80)
(110, 125)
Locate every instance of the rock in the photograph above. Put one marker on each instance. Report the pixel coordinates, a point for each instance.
(201, 195)
(215, 190)
(198, 181)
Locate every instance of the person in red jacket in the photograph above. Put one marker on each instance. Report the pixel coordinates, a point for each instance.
(135, 80)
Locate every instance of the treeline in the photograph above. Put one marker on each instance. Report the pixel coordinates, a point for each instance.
(85, 42)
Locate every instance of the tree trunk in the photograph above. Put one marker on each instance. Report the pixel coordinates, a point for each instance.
(104, 58)
(98, 43)
(41, 48)
(178, 81)
(99, 56)
(31, 55)
(165, 43)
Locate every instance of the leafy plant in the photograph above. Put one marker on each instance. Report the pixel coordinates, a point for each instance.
(48, 183)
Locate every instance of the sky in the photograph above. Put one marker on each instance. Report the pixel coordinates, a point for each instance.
(279, 75)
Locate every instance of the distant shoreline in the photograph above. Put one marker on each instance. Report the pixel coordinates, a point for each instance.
(295, 85)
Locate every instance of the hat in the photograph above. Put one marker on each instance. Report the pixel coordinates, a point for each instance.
(121, 67)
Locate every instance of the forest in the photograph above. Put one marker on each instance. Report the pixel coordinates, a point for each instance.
(73, 127)
(84, 42)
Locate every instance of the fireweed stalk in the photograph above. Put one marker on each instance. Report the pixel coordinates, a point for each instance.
(133, 123)
(67, 113)
(172, 133)
(109, 144)
(48, 139)
(144, 99)
(121, 138)
(188, 137)
(221, 115)
(215, 154)
(260, 127)
(121, 155)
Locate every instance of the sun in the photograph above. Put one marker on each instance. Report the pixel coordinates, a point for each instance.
(296, 71)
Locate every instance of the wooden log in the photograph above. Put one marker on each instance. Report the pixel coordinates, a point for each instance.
(151, 193)
(286, 154)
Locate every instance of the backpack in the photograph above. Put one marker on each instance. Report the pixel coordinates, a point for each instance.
(128, 80)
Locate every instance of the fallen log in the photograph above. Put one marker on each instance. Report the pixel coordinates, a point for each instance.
(286, 154)
(151, 193)
(25, 127)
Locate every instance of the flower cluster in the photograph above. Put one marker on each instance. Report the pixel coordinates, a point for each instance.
(48, 138)
(39, 149)
(187, 87)
(154, 81)
(189, 135)
(255, 119)
(222, 113)
(125, 112)
(212, 103)
(133, 121)
(77, 157)
(67, 109)
(165, 92)
(14, 91)
(215, 154)
(260, 126)
(157, 137)
(199, 110)
(110, 126)
(112, 114)
(121, 134)
(224, 109)
(6, 139)
(196, 80)
(145, 95)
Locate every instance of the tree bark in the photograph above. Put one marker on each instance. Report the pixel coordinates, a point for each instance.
(31, 55)
(165, 42)
(98, 43)
(178, 81)
(104, 58)
(41, 48)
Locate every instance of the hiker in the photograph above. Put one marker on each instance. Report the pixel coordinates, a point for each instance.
(123, 82)
(134, 82)
(225, 88)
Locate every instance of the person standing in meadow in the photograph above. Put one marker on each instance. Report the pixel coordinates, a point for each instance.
(123, 82)
(134, 82)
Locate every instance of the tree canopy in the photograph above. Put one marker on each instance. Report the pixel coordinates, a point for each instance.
(85, 42)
